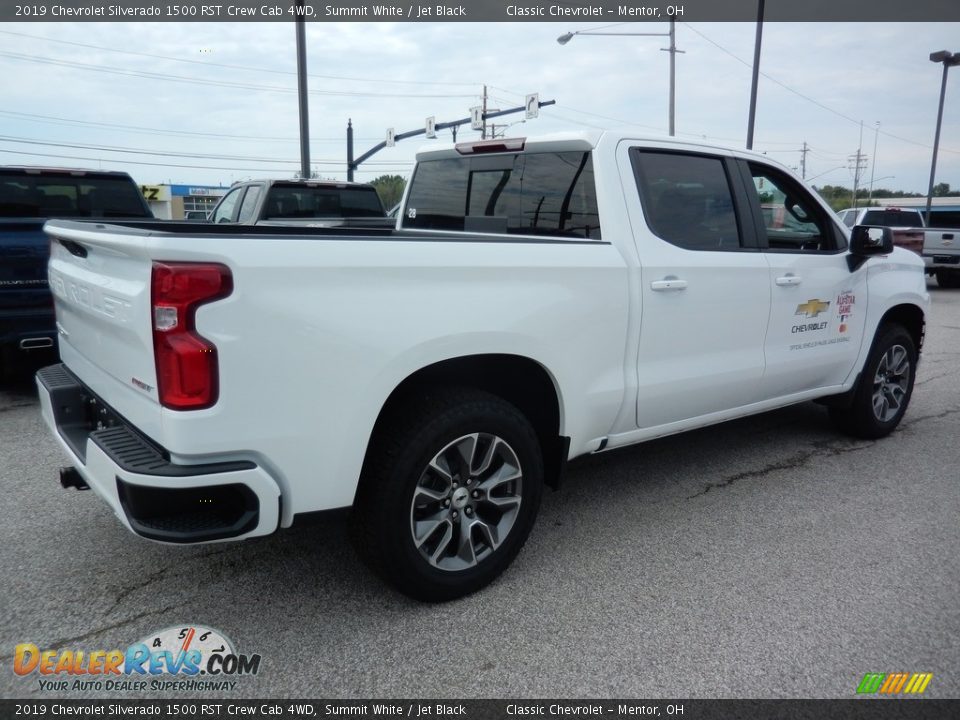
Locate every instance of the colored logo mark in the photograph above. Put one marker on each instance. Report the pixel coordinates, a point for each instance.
(812, 308)
(894, 683)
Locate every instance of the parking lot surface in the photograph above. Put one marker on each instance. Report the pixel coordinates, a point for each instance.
(767, 557)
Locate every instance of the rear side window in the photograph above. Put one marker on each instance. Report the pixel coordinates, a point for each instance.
(524, 194)
(687, 200)
(66, 196)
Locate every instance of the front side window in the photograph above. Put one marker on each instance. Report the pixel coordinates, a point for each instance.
(525, 194)
(249, 204)
(792, 220)
(687, 199)
(227, 209)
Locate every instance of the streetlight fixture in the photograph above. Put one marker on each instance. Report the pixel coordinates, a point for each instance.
(567, 37)
(948, 59)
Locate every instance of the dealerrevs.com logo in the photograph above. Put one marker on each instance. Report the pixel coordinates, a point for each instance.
(894, 683)
(178, 658)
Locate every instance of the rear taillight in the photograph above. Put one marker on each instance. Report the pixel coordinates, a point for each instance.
(187, 376)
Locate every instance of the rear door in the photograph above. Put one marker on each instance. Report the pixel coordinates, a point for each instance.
(704, 287)
(818, 306)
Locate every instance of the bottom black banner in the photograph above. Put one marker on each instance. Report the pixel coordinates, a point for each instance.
(481, 709)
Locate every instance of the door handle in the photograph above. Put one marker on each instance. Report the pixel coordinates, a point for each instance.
(788, 280)
(669, 284)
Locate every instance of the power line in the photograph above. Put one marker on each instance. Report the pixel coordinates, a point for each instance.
(165, 131)
(237, 67)
(160, 153)
(190, 167)
(198, 81)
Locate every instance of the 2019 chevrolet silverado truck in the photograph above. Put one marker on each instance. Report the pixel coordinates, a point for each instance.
(309, 203)
(28, 198)
(540, 300)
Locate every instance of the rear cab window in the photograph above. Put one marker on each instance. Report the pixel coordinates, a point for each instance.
(287, 201)
(892, 217)
(64, 195)
(535, 193)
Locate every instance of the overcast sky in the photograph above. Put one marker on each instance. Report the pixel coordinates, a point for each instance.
(75, 94)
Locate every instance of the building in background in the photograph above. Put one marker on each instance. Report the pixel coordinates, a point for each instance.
(172, 202)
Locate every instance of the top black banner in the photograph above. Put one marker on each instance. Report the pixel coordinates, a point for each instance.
(565, 11)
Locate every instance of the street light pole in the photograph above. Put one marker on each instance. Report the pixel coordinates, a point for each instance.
(567, 37)
(948, 59)
(873, 163)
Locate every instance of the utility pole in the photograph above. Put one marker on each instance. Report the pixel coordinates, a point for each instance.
(673, 76)
(873, 163)
(803, 160)
(858, 163)
(756, 75)
(483, 133)
(302, 95)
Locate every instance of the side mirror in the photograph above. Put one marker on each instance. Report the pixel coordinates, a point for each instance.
(868, 240)
(865, 241)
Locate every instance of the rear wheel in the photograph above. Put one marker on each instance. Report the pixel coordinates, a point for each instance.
(449, 493)
(948, 278)
(885, 386)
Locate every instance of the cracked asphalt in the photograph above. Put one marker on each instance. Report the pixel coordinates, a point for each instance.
(767, 557)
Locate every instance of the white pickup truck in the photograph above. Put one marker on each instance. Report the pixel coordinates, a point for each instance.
(540, 299)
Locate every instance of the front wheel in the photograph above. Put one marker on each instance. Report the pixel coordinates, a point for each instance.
(449, 493)
(885, 386)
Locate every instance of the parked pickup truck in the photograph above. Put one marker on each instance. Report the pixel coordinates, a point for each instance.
(906, 223)
(28, 197)
(941, 253)
(309, 203)
(540, 300)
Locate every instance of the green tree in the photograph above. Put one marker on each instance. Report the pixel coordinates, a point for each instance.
(941, 190)
(390, 189)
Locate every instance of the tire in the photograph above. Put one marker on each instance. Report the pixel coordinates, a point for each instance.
(449, 493)
(885, 386)
(948, 278)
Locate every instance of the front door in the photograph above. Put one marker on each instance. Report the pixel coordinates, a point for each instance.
(818, 306)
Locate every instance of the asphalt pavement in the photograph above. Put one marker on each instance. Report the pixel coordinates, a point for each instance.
(766, 557)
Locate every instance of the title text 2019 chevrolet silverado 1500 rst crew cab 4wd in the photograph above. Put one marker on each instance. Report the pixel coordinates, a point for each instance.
(543, 299)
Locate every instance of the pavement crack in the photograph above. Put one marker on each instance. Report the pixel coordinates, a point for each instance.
(934, 377)
(794, 461)
(938, 416)
(156, 576)
(830, 448)
(61, 642)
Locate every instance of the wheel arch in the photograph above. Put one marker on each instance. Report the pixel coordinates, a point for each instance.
(520, 380)
(911, 317)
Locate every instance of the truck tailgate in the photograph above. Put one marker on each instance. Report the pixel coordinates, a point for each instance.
(101, 284)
